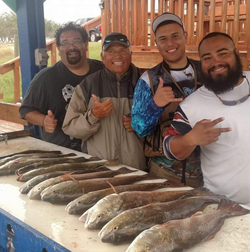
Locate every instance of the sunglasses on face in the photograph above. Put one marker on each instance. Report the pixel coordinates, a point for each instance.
(235, 102)
(112, 38)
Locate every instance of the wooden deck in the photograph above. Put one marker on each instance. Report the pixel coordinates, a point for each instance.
(9, 127)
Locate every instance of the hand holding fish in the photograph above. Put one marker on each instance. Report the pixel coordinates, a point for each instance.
(205, 132)
(49, 122)
(164, 95)
(101, 110)
(127, 123)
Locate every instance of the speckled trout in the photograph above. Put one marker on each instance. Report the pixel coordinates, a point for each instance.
(16, 163)
(48, 162)
(22, 153)
(87, 167)
(179, 235)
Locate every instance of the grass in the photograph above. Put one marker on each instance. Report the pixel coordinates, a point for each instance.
(7, 80)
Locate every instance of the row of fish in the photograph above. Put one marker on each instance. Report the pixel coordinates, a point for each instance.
(123, 205)
(172, 216)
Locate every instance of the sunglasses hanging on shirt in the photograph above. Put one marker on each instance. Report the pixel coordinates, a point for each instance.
(235, 102)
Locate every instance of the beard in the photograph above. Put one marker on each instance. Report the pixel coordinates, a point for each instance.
(223, 83)
(76, 59)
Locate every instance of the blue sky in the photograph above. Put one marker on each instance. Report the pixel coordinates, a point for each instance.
(62, 11)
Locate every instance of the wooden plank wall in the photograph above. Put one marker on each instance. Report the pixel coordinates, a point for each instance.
(134, 18)
(10, 113)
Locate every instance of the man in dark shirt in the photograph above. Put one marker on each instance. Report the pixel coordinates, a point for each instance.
(49, 93)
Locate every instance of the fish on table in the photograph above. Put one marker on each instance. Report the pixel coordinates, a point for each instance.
(179, 235)
(84, 167)
(35, 192)
(130, 223)
(23, 164)
(27, 186)
(112, 205)
(28, 152)
(17, 157)
(86, 201)
(67, 191)
(40, 163)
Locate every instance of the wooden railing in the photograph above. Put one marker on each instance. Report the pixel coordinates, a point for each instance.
(14, 66)
(10, 113)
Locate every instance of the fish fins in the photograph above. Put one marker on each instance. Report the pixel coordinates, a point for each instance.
(125, 170)
(113, 188)
(67, 176)
(94, 159)
(169, 183)
(113, 162)
(232, 207)
(216, 230)
(19, 177)
(197, 214)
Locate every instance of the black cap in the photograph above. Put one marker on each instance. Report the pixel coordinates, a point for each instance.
(115, 37)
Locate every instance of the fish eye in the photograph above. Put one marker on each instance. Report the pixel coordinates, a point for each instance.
(115, 228)
(99, 216)
(39, 189)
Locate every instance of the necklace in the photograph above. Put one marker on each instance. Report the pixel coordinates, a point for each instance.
(235, 102)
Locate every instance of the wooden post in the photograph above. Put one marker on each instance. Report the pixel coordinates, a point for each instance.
(16, 82)
(212, 16)
(223, 15)
(190, 22)
(247, 29)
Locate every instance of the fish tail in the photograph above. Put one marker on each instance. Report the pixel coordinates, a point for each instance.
(232, 207)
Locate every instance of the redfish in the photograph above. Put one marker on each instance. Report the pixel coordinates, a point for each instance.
(86, 201)
(127, 225)
(112, 205)
(179, 235)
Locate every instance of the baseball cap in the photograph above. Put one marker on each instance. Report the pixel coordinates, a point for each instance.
(167, 16)
(115, 37)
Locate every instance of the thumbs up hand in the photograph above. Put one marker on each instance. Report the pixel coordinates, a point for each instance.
(99, 109)
(49, 122)
(164, 95)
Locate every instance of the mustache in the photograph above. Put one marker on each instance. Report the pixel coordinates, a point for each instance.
(73, 51)
(214, 67)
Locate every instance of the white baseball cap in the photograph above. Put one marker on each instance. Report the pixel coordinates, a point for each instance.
(167, 16)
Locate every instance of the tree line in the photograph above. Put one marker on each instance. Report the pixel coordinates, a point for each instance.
(8, 27)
